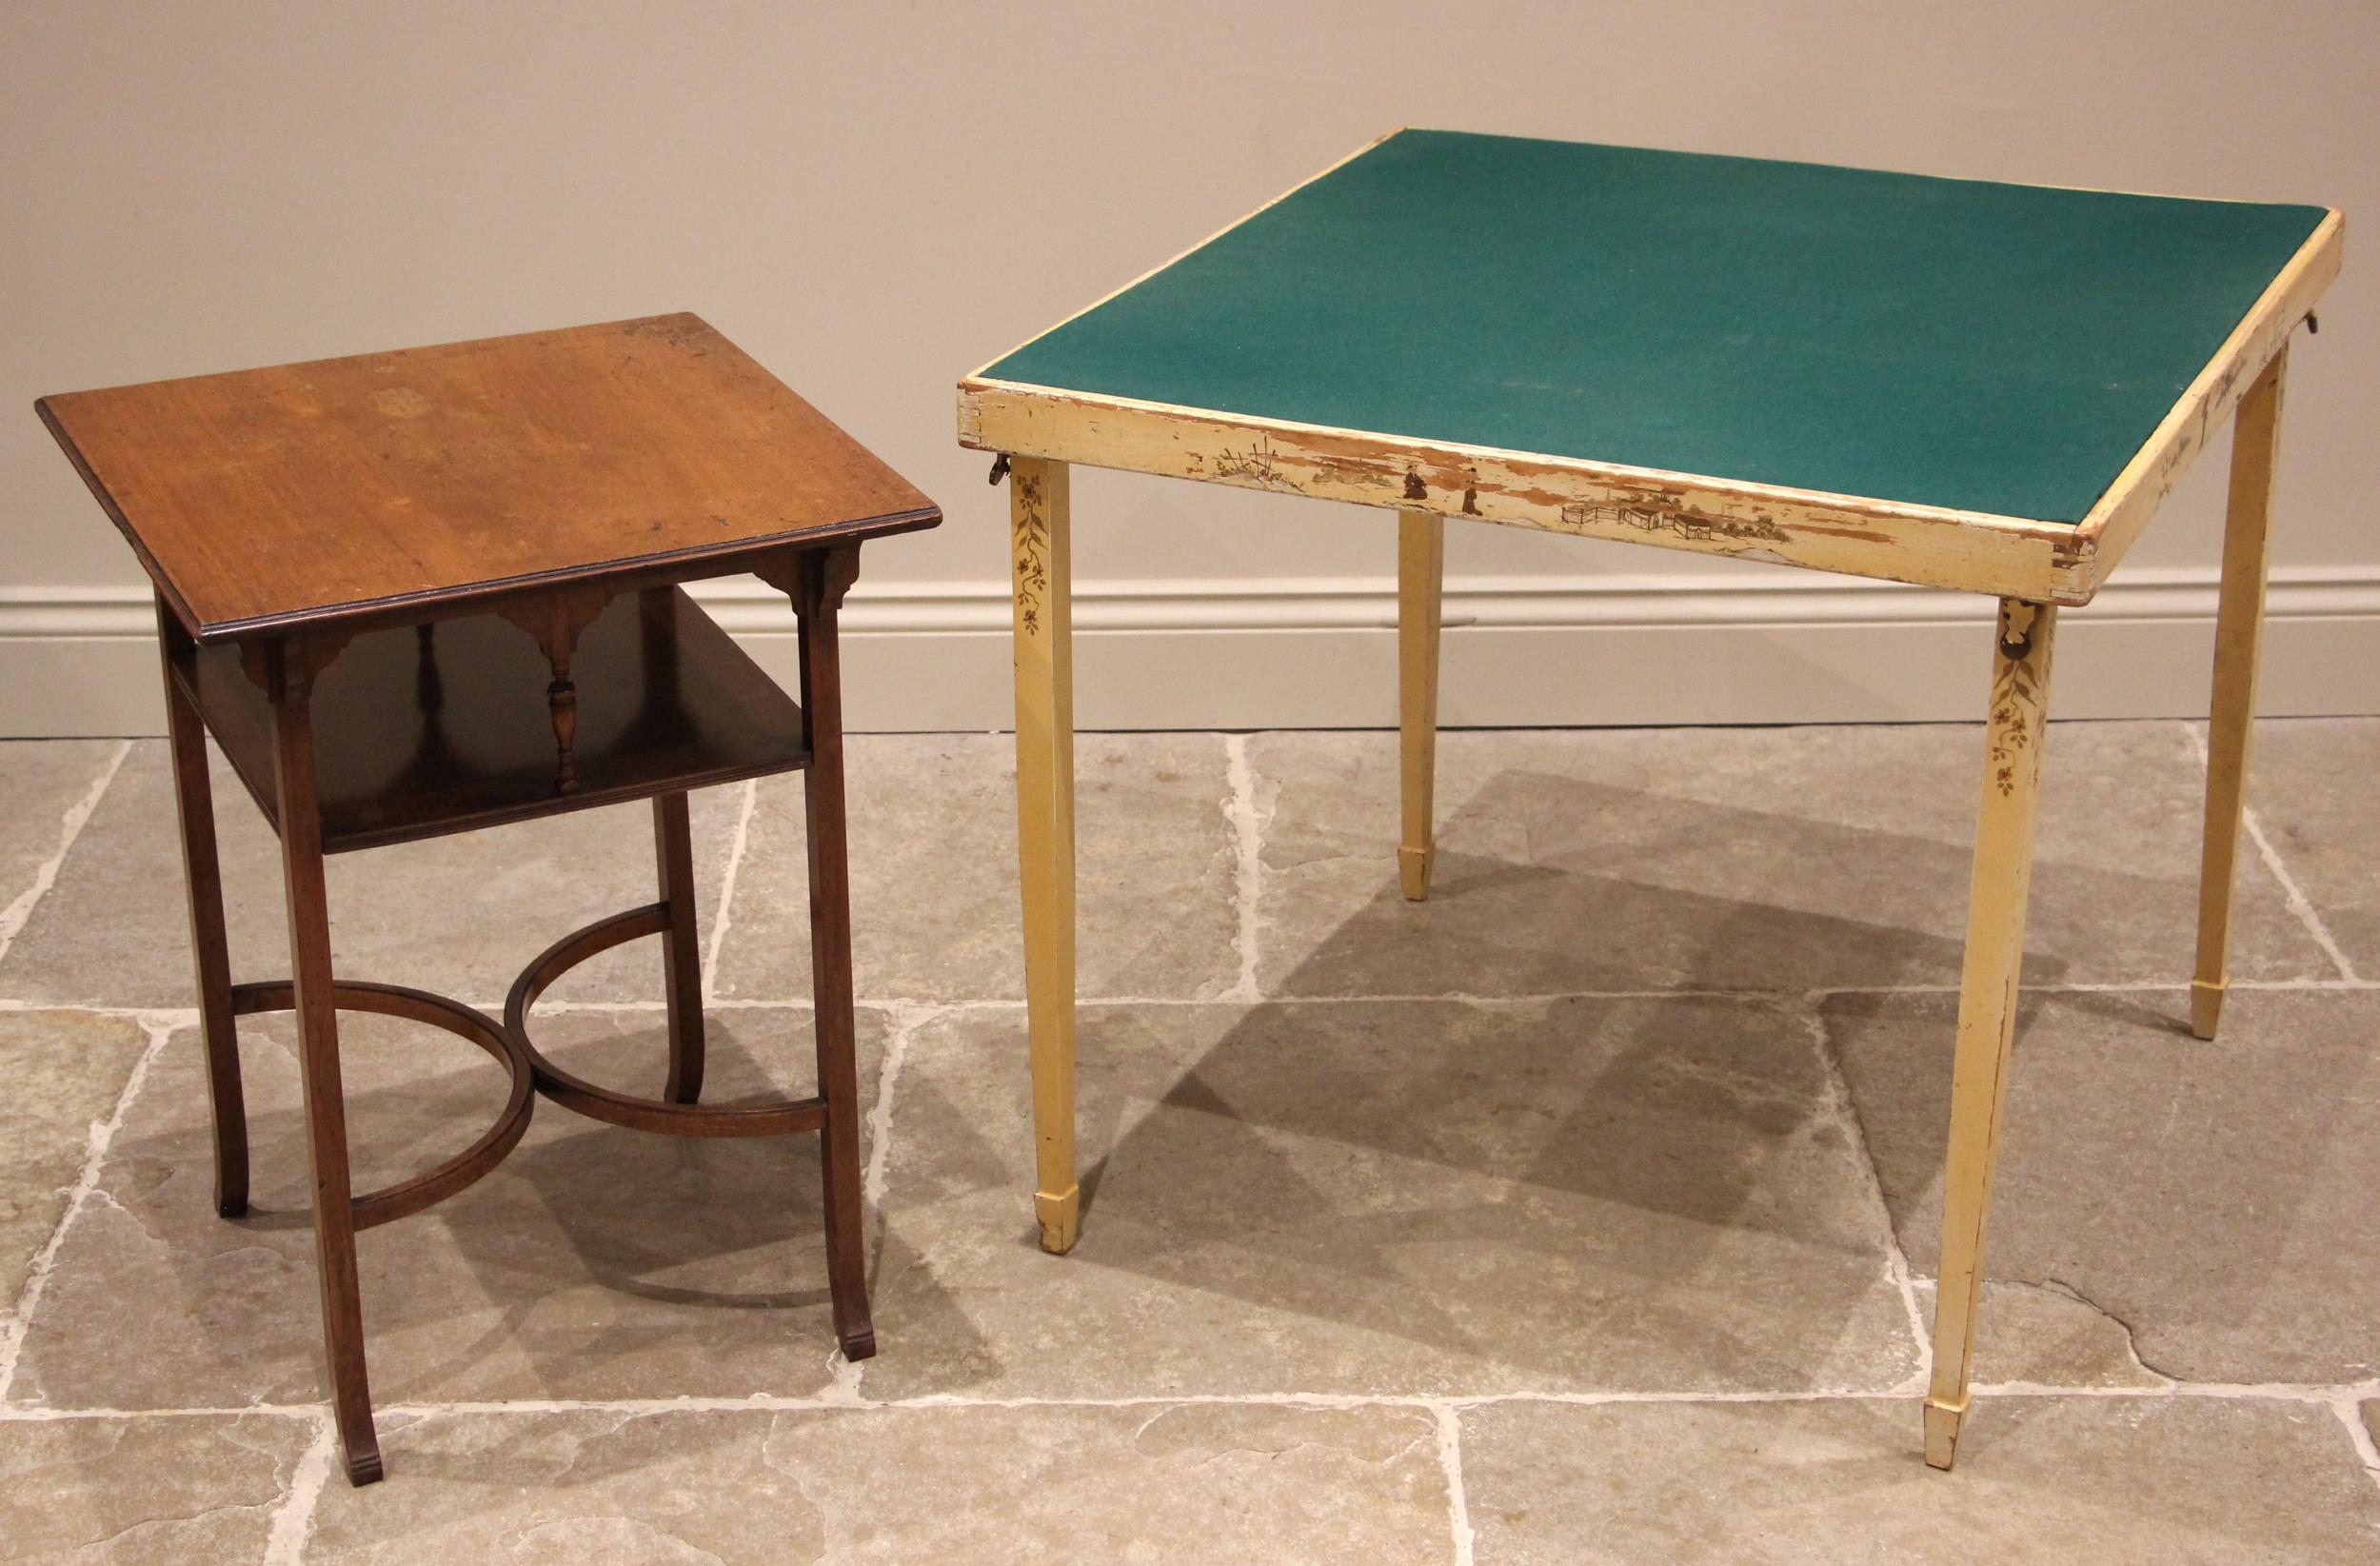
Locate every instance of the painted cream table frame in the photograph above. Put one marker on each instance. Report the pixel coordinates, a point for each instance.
(2033, 569)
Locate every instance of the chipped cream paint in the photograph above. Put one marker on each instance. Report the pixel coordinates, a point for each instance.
(2004, 556)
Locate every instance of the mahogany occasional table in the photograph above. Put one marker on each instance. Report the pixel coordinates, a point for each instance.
(429, 591)
(1980, 386)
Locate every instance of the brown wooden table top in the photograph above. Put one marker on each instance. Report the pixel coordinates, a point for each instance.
(386, 485)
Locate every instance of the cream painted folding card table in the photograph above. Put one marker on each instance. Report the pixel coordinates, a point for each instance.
(1971, 385)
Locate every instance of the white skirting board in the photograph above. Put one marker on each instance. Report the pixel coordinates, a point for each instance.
(1771, 649)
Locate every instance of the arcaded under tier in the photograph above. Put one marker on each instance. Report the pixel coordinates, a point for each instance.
(443, 727)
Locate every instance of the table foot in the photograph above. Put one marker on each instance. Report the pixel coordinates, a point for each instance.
(1061, 1218)
(1413, 872)
(364, 1467)
(1942, 1423)
(2206, 1005)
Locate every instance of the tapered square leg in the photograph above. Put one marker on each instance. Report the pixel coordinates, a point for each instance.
(1420, 585)
(1986, 998)
(823, 577)
(194, 805)
(681, 949)
(290, 677)
(1039, 523)
(2238, 627)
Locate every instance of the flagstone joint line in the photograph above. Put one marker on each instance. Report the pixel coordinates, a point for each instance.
(20, 1321)
(2324, 1395)
(1896, 1269)
(70, 824)
(1248, 866)
(2299, 903)
(737, 843)
(1457, 1502)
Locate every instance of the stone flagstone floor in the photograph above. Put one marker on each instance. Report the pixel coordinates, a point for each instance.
(1584, 1213)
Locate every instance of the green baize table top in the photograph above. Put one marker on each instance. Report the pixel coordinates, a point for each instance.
(1979, 346)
